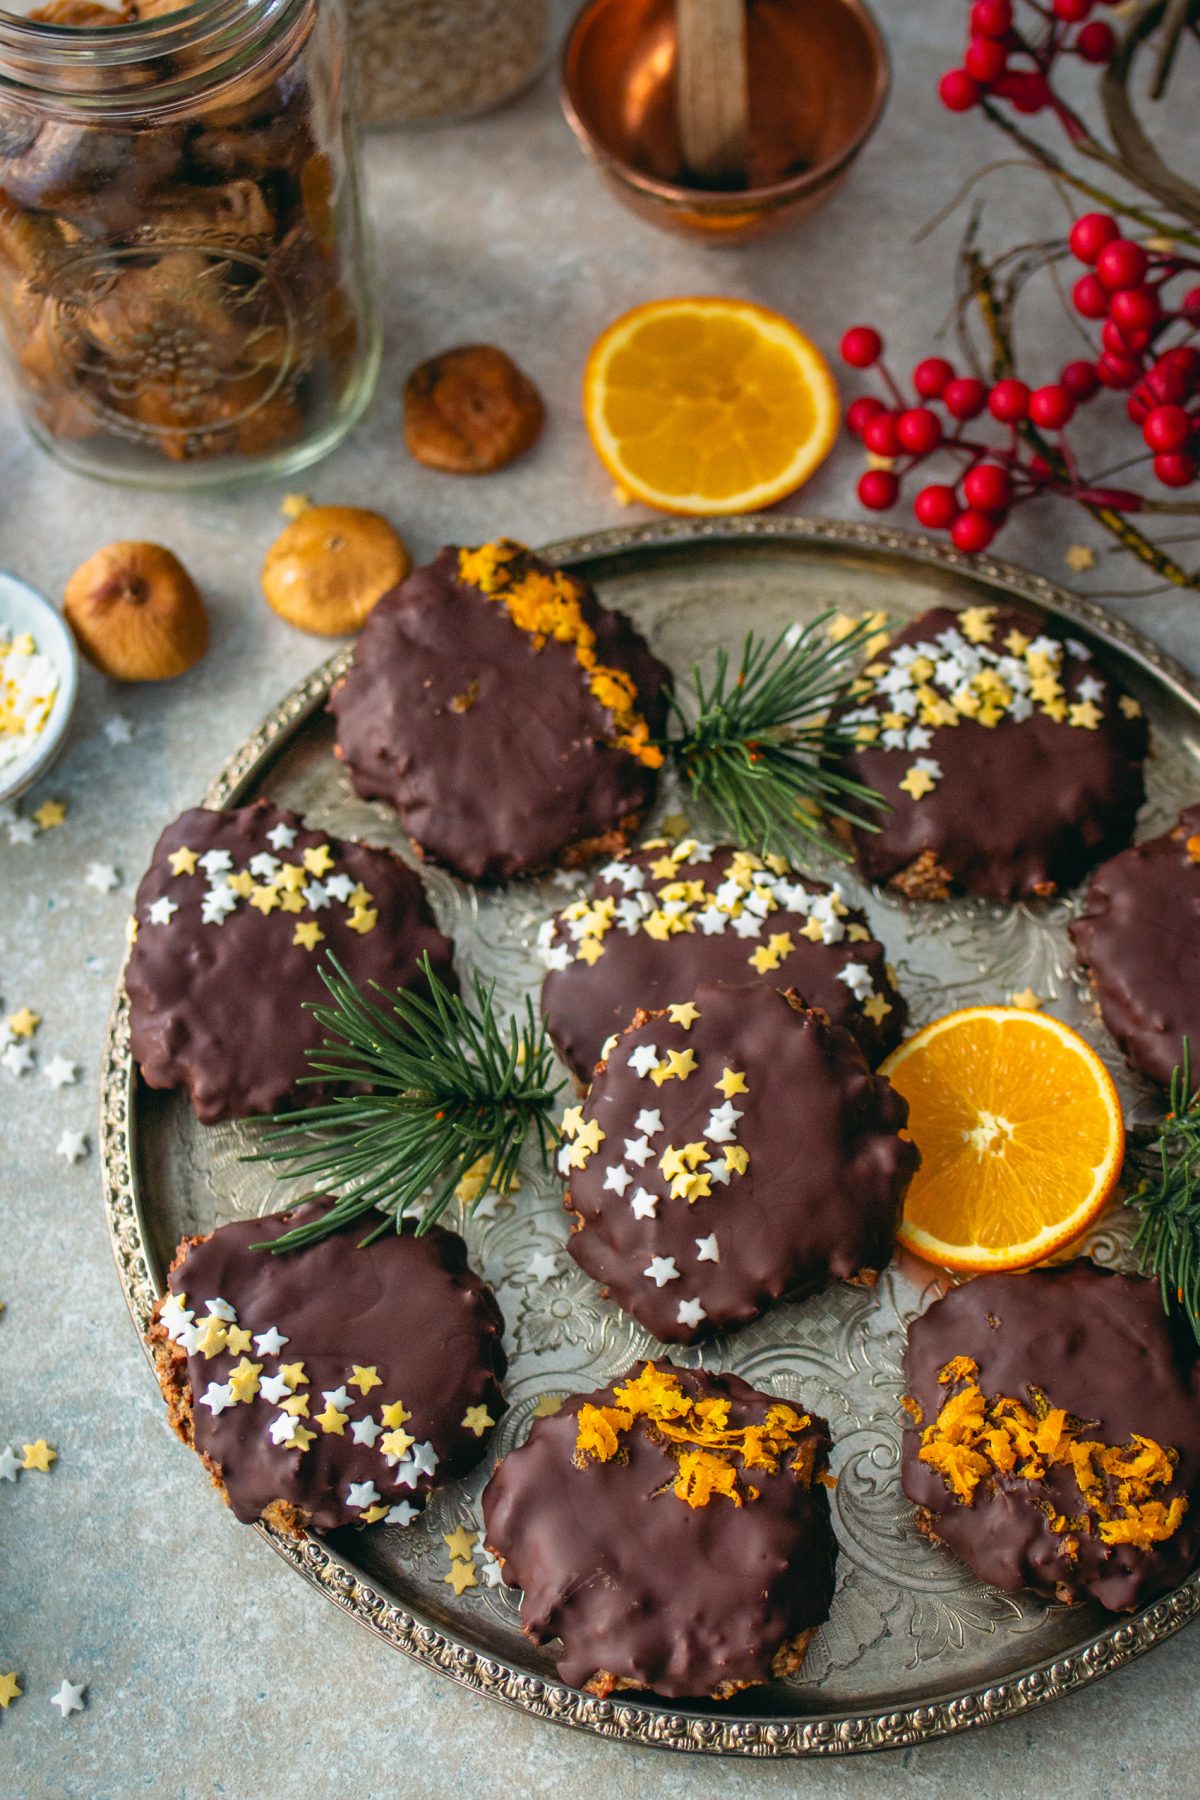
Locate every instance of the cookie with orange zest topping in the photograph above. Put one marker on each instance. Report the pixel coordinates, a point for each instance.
(671, 1531)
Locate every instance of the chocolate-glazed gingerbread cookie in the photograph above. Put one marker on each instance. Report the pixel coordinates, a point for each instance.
(734, 1150)
(667, 916)
(506, 715)
(672, 1531)
(1054, 1437)
(1139, 938)
(231, 922)
(331, 1385)
(1009, 761)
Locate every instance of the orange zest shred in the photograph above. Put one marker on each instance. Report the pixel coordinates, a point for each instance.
(974, 1439)
(710, 1453)
(546, 604)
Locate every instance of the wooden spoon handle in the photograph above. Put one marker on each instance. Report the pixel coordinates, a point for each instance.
(712, 88)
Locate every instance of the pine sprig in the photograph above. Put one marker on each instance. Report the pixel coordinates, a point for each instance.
(1167, 1239)
(449, 1093)
(760, 746)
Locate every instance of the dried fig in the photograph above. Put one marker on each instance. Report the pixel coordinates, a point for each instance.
(470, 410)
(136, 613)
(326, 570)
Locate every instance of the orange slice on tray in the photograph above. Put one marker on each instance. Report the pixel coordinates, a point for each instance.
(708, 405)
(1020, 1133)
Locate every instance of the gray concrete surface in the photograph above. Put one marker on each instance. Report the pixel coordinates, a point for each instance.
(211, 1670)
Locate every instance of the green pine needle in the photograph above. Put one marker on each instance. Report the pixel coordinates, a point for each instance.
(1167, 1240)
(448, 1089)
(760, 747)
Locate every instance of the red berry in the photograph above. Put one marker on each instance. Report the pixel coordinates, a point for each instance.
(1135, 309)
(1072, 12)
(957, 91)
(1090, 233)
(919, 430)
(861, 346)
(991, 18)
(1166, 428)
(1051, 407)
(1118, 371)
(860, 412)
(1123, 342)
(972, 532)
(986, 60)
(936, 507)
(880, 435)
(878, 489)
(1028, 90)
(1090, 297)
(1176, 374)
(964, 397)
(987, 487)
(1189, 306)
(1009, 401)
(1040, 467)
(1174, 470)
(1080, 380)
(931, 376)
(1096, 42)
(1122, 264)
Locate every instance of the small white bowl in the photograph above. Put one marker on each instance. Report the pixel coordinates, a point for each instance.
(22, 608)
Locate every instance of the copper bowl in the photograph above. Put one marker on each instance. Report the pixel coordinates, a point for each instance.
(818, 75)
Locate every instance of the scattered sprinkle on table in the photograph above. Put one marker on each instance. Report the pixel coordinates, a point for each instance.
(10, 1689)
(73, 1145)
(117, 729)
(10, 1464)
(17, 1059)
(69, 1697)
(28, 688)
(61, 1073)
(542, 1267)
(1026, 999)
(1080, 557)
(460, 1542)
(101, 876)
(24, 1023)
(39, 1456)
(50, 814)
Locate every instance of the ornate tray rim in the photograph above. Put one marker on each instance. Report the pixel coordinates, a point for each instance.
(649, 1723)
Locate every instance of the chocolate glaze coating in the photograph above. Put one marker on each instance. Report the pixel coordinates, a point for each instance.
(218, 1009)
(494, 753)
(585, 1003)
(1025, 807)
(409, 1307)
(820, 1197)
(638, 1585)
(1139, 938)
(1098, 1344)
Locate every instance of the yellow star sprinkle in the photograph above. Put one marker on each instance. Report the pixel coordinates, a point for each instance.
(237, 1340)
(291, 901)
(214, 1334)
(39, 1456)
(976, 624)
(763, 959)
(266, 899)
(548, 1405)
(590, 1136)
(292, 505)
(396, 1443)
(376, 1512)
(572, 1119)
(317, 859)
(858, 934)
(308, 933)
(183, 861)
(918, 782)
(1130, 707)
(671, 1163)
(292, 877)
(1016, 643)
(1085, 714)
(393, 1414)
(737, 1159)
(460, 1543)
(1056, 709)
(840, 626)
(813, 930)
(49, 814)
(242, 883)
(301, 1438)
(243, 1379)
(10, 1689)
(24, 1023)
(1079, 556)
(732, 1082)
(293, 1374)
(296, 1405)
(877, 1008)
(1027, 1000)
(590, 951)
(365, 1379)
(363, 919)
(462, 1575)
(685, 1015)
(662, 869)
(680, 1063)
(781, 943)
(477, 1419)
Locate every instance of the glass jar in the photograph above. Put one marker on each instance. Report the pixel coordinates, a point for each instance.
(423, 62)
(185, 289)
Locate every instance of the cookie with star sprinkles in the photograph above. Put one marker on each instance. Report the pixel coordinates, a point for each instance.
(329, 1385)
(505, 714)
(668, 916)
(734, 1150)
(1139, 939)
(1009, 760)
(1054, 1433)
(671, 1531)
(230, 926)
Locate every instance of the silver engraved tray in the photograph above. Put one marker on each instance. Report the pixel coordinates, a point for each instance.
(914, 1647)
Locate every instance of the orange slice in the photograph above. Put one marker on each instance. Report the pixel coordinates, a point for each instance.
(708, 405)
(1020, 1133)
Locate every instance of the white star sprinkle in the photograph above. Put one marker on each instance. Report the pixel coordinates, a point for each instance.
(117, 729)
(338, 1398)
(721, 1123)
(718, 1173)
(281, 836)
(616, 1178)
(274, 1388)
(221, 1309)
(662, 1269)
(60, 1073)
(489, 1568)
(10, 1464)
(69, 1698)
(365, 1431)
(217, 1396)
(542, 1267)
(22, 831)
(643, 1059)
(1020, 708)
(282, 1429)
(857, 978)
(557, 957)
(362, 1494)
(402, 1514)
(1090, 689)
(17, 1059)
(648, 1121)
(340, 886)
(711, 922)
(1076, 648)
(101, 876)
(638, 1151)
(270, 1342)
(690, 1313)
(162, 911)
(216, 903)
(706, 1249)
(747, 926)
(406, 1473)
(73, 1145)
(425, 1458)
(316, 895)
(644, 1204)
(215, 862)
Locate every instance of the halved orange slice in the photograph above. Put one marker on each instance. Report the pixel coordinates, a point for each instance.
(708, 405)
(1020, 1133)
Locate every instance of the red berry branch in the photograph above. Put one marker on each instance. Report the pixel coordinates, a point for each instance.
(1136, 300)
